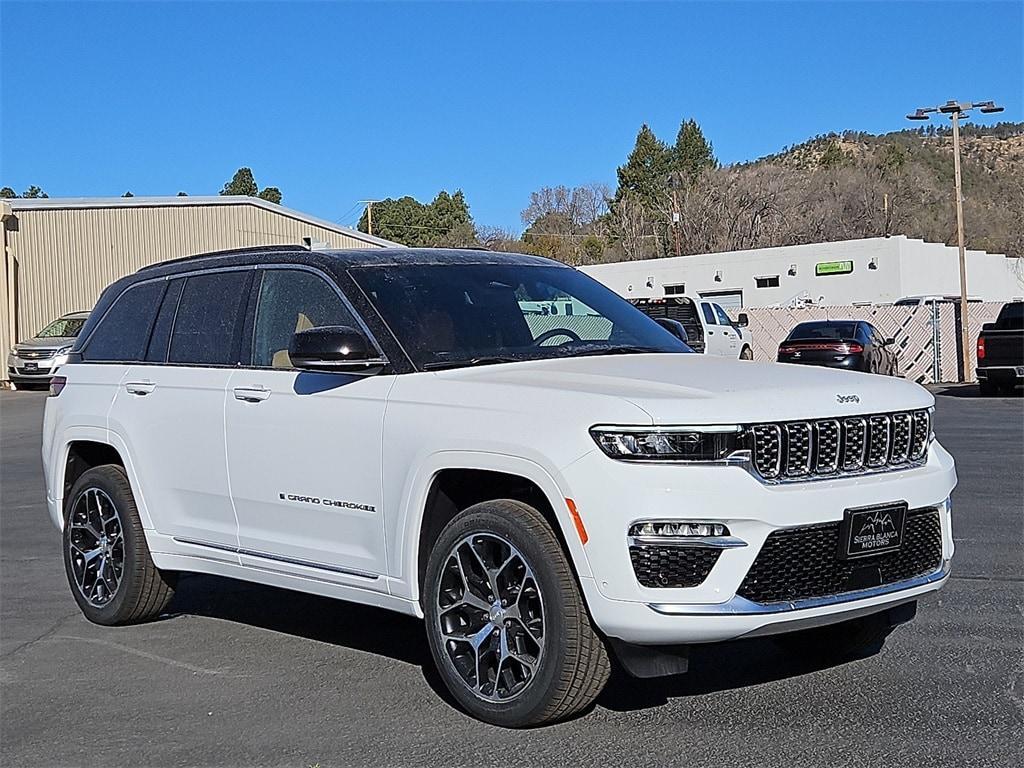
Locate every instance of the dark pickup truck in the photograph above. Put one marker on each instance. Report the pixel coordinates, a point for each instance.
(1001, 351)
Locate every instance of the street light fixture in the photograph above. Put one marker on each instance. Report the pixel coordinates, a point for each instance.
(957, 111)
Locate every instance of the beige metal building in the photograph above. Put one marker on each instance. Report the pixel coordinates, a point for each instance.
(59, 254)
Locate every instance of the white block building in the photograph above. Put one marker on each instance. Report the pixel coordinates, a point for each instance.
(873, 271)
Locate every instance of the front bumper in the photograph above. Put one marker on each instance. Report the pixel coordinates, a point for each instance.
(37, 370)
(612, 495)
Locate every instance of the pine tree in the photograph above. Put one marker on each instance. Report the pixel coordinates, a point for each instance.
(692, 153)
(644, 173)
(242, 183)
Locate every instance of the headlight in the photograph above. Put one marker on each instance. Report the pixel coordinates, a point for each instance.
(704, 443)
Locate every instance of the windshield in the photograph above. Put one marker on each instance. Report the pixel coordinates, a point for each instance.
(64, 327)
(466, 314)
(824, 331)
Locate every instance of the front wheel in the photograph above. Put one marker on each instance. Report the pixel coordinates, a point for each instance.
(505, 620)
(747, 354)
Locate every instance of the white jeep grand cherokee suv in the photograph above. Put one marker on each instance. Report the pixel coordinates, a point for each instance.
(402, 428)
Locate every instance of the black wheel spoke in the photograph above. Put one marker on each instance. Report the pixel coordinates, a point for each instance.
(96, 546)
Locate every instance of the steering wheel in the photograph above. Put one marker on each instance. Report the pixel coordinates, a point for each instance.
(554, 333)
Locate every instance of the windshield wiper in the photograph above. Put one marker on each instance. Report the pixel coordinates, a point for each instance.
(618, 349)
(440, 365)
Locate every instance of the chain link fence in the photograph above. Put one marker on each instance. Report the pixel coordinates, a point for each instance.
(927, 336)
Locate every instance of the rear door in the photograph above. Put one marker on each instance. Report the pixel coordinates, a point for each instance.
(170, 409)
(304, 448)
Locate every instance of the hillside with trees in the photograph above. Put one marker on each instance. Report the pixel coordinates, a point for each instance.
(676, 198)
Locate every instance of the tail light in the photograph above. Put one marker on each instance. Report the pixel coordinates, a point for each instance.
(57, 384)
(839, 347)
(981, 347)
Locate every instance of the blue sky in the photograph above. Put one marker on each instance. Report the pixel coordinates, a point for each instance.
(338, 102)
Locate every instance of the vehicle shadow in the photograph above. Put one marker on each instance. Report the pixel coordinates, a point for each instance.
(321, 619)
(972, 391)
(713, 668)
(385, 633)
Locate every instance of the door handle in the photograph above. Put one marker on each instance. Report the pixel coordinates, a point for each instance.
(251, 394)
(140, 387)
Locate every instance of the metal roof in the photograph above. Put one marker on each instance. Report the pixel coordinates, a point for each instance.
(65, 203)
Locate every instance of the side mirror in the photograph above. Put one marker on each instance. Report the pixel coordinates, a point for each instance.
(674, 327)
(334, 349)
(742, 320)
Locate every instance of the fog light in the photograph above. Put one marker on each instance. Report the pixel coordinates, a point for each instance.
(675, 528)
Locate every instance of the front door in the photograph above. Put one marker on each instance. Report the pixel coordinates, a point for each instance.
(715, 340)
(731, 347)
(304, 449)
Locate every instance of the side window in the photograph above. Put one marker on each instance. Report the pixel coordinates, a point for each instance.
(723, 319)
(292, 300)
(161, 336)
(123, 332)
(709, 313)
(209, 318)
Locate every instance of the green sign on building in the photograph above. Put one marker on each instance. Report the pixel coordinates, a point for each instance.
(833, 268)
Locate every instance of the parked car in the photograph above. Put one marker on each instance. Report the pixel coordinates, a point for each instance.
(1001, 351)
(709, 329)
(854, 345)
(34, 360)
(383, 426)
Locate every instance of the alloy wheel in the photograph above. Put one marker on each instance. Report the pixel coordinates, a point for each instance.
(491, 617)
(96, 546)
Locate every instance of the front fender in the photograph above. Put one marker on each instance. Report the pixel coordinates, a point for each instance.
(404, 545)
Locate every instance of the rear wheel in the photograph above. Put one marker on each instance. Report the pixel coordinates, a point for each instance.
(506, 623)
(109, 568)
(988, 389)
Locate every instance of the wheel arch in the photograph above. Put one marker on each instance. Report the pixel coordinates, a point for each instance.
(84, 451)
(454, 482)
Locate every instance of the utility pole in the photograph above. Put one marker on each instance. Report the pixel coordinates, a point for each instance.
(958, 110)
(369, 215)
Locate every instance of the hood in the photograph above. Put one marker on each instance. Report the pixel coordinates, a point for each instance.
(697, 389)
(56, 342)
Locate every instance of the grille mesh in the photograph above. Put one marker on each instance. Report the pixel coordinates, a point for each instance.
(800, 450)
(672, 566)
(800, 563)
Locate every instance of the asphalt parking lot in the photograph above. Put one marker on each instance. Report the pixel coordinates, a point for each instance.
(247, 675)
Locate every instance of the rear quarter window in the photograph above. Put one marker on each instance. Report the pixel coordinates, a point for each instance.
(123, 332)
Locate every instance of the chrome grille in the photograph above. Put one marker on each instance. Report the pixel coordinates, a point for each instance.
(809, 449)
(798, 453)
(826, 437)
(767, 449)
(35, 354)
(900, 437)
(854, 443)
(919, 435)
(878, 441)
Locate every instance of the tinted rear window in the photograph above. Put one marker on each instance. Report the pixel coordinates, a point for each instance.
(1011, 317)
(209, 318)
(824, 330)
(123, 332)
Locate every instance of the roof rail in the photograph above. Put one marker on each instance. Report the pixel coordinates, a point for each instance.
(228, 252)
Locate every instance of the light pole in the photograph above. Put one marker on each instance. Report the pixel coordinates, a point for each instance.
(957, 110)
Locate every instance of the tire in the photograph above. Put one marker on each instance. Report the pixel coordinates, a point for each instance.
(988, 389)
(102, 523)
(560, 664)
(852, 639)
(746, 354)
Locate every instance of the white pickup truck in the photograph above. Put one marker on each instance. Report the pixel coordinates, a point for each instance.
(709, 330)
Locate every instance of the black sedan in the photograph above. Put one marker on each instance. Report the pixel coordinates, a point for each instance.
(854, 345)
